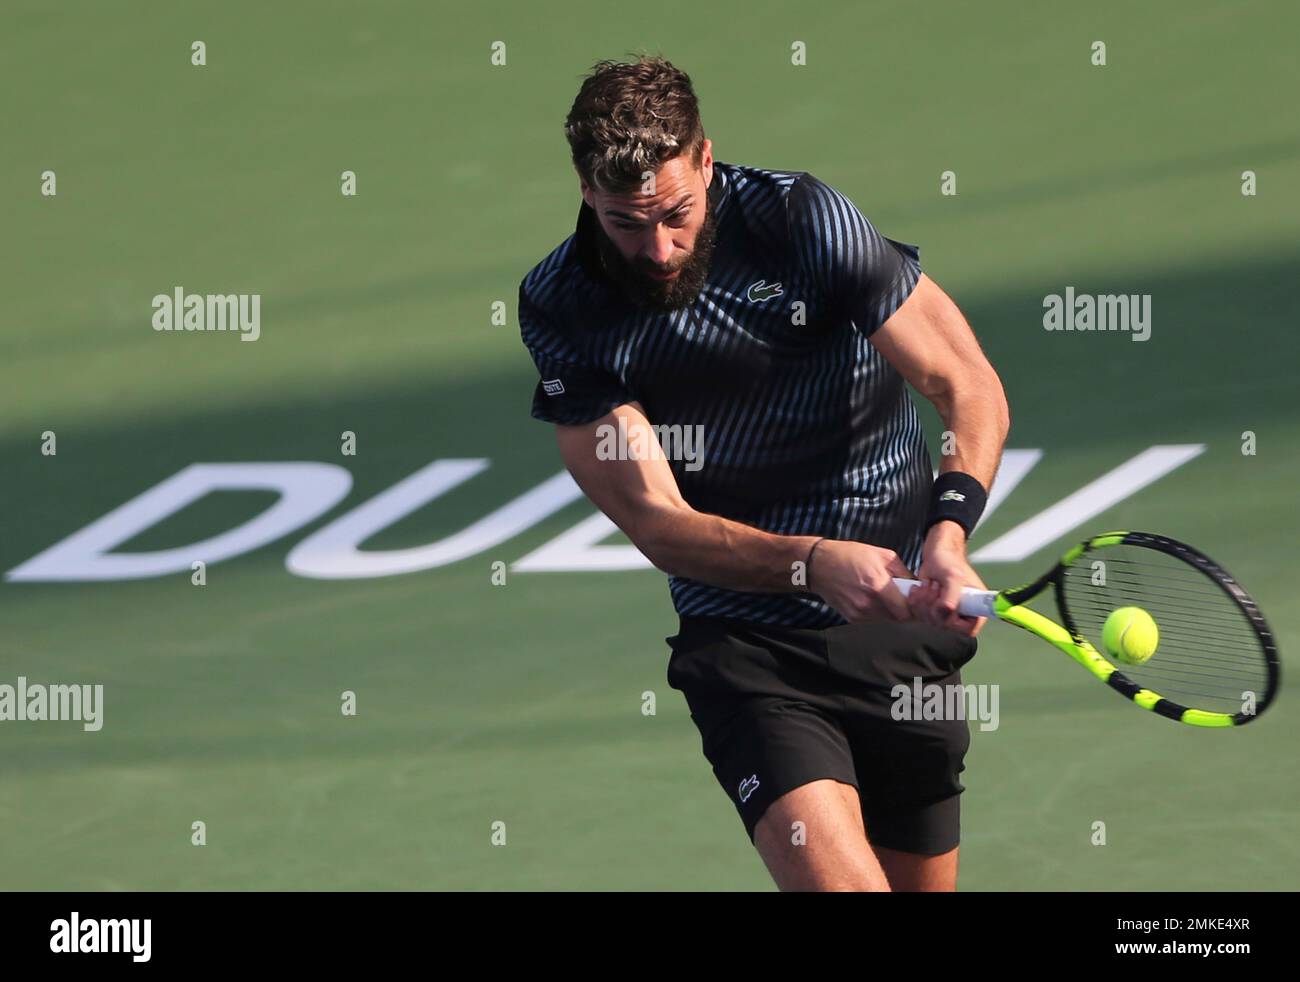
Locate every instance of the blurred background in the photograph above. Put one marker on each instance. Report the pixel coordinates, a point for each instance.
(522, 703)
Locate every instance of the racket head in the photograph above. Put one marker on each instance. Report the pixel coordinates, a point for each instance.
(1216, 663)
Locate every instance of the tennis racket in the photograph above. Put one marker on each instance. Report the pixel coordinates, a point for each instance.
(1216, 662)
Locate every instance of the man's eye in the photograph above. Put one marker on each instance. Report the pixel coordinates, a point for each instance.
(673, 221)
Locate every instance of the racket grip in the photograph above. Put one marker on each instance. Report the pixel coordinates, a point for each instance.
(973, 603)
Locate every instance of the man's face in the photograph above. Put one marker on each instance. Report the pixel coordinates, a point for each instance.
(658, 246)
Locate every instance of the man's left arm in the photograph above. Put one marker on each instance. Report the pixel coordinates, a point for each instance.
(930, 344)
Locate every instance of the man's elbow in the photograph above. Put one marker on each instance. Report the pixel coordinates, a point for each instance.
(666, 563)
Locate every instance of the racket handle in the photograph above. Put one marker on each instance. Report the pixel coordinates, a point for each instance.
(973, 603)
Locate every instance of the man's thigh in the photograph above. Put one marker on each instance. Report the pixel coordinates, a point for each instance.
(812, 838)
(908, 735)
(910, 872)
(764, 705)
(812, 752)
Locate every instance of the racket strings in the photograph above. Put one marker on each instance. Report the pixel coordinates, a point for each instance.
(1209, 654)
(1222, 638)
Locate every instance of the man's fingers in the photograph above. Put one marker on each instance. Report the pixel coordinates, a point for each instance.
(949, 596)
(920, 600)
(934, 613)
(898, 568)
(893, 601)
(969, 626)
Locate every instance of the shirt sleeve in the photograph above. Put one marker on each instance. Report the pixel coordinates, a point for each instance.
(571, 390)
(864, 273)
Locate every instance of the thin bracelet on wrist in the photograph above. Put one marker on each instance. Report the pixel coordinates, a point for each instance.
(807, 564)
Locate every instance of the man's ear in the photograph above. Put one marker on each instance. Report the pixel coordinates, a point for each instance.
(585, 190)
(706, 162)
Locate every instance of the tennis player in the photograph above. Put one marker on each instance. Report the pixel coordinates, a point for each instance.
(760, 310)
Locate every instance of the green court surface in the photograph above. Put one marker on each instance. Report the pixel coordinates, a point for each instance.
(522, 703)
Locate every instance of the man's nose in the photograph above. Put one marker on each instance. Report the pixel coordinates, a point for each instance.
(660, 249)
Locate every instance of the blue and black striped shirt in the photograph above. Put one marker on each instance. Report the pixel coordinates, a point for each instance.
(807, 429)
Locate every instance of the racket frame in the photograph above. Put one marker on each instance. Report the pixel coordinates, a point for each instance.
(1009, 607)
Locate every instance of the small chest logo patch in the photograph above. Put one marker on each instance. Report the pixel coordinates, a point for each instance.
(553, 387)
(760, 291)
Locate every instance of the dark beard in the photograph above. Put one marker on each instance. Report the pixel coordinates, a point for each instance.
(667, 295)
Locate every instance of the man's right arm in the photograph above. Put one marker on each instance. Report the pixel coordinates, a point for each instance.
(641, 497)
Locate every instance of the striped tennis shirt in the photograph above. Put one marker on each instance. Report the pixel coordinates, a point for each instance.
(806, 429)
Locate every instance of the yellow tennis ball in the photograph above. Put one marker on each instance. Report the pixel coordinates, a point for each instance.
(1130, 635)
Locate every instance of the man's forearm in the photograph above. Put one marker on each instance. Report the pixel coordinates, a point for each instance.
(978, 419)
(724, 553)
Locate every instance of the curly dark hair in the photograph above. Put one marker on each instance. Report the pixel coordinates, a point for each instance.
(631, 117)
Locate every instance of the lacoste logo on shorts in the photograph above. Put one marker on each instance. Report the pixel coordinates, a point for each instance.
(553, 387)
(760, 291)
(747, 787)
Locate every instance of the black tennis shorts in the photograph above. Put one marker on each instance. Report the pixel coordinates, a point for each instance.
(778, 707)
